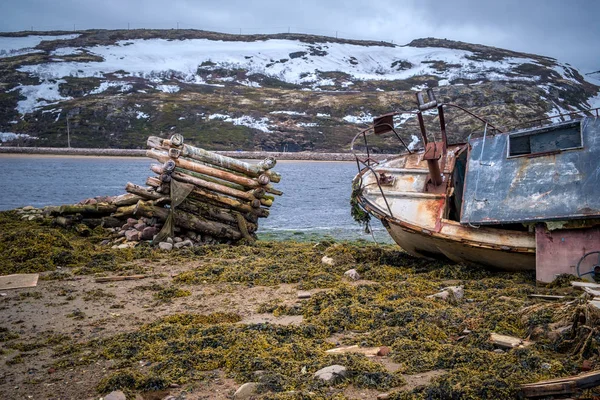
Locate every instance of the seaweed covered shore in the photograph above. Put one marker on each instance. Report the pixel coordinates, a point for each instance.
(202, 321)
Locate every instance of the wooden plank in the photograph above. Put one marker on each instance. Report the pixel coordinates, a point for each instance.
(367, 351)
(581, 285)
(18, 281)
(119, 278)
(546, 296)
(593, 292)
(508, 342)
(562, 385)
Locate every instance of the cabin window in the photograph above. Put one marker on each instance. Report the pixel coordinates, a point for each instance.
(549, 140)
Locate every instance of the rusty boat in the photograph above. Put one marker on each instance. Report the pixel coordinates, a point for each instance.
(527, 199)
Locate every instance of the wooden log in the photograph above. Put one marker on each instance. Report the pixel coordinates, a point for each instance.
(508, 342)
(215, 213)
(199, 154)
(142, 192)
(111, 222)
(126, 199)
(119, 278)
(188, 221)
(221, 201)
(89, 209)
(206, 185)
(204, 169)
(562, 386)
(124, 211)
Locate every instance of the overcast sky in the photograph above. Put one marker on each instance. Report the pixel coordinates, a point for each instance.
(567, 30)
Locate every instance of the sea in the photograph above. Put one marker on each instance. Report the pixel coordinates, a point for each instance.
(315, 204)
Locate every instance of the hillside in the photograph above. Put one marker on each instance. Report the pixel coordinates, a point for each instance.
(284, 92)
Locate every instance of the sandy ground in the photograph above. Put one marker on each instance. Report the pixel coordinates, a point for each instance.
(83, 310)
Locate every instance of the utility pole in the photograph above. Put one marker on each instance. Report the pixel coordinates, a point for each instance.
(68, 133)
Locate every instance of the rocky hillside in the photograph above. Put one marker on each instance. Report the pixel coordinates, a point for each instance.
(284, 92)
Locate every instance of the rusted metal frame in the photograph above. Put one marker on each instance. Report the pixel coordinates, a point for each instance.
(539, 120)
(380, 189)
(474, 116)
(422, 127)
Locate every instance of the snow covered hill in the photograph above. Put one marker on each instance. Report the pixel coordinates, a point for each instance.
(265, 92)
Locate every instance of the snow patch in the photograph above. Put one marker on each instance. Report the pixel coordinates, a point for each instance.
(140, 115)
(17, 46)
(414, 142)
(168, 88)
(38, 96)
(323, 115)
(289, 113)
(365, 118)
(262, 124)
(8, 136)
(307, 124)
(125, 87)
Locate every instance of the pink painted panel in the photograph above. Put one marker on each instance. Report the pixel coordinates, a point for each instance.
(559, 251)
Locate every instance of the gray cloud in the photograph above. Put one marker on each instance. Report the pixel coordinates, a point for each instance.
(566, 30)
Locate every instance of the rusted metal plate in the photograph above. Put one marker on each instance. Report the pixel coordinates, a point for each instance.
(560, 185)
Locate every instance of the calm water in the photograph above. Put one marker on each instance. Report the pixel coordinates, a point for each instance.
(315, 203)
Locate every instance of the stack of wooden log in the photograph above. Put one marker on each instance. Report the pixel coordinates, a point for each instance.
(200, 196)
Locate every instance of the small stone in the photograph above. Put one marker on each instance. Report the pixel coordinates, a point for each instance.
(169, 240)
(327, 260)
(165, 246)
(586, 365)
(148, 233)
(132, 235)
(246, 391)
(449, 293)
(116, 395)
(27, 208)
(139, 226)
(51, 370)
(352, 274)
(123, 246)
(304, 295)
(331, 373)
(498, 351)
(188, 243)
(177, 239)
(178, 245)
(132, 221)
(383, 396)
(32, 217)
(105, 242)
(546, 366)
(383, 351)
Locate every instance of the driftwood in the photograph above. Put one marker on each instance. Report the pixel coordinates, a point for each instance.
(215, 199)
(119, 278)
(508, 342)
(199, 154)
(248, 196)
(188, 221)
(562, 386)
(90, 209)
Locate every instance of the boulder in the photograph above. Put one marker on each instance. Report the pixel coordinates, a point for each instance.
(140, 226)
(327, 260)
(116, 395)
(449, 293)
(352, 274)
(246, 391)
(165, 246)
(148, 233)
(331, 373)
(132, 235)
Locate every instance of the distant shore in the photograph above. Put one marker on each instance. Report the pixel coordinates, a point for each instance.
(299, 156)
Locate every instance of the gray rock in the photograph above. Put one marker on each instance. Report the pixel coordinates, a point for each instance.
(327, 260)
(169, 240)
(352, 274)
(246, 391)
(105, 242)
(177, 239)
(28, 208)
(116, 395)
(165, 246)
(449, 293)
(148, 233)
(499, 351)
(188, 243)
(178, 245)
(331, 373)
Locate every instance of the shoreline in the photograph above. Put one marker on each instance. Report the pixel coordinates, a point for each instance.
(252, 155)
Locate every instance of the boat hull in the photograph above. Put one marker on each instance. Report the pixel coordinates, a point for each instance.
(425, 245)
